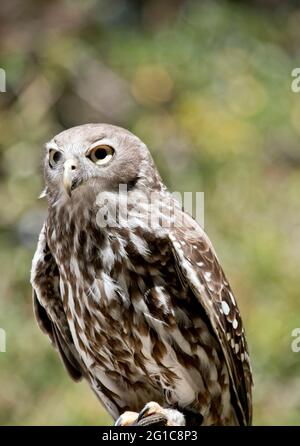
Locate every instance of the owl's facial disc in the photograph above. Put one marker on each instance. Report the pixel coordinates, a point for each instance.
(98, 154)
(74, 169)
(82, 162)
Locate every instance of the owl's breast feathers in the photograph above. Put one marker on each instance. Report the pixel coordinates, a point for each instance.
(144, 314)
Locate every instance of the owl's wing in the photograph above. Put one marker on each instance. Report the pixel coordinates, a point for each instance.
(199, 269)
(48, 306)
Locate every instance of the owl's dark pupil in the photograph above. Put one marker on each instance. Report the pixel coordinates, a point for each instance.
(100, 154)
(56, 157)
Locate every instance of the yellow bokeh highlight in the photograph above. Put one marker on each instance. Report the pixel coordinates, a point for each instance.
(246, 96)
(152, 85)
(214, 128)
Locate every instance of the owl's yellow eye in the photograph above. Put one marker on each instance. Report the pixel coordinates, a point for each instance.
(101, 154)
(55, 156)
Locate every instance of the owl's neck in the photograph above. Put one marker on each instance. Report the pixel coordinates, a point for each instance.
(106, 217)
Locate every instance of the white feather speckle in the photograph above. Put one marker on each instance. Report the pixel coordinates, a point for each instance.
(207, 276)
(235, 324)
(225, 307)
(232, 298)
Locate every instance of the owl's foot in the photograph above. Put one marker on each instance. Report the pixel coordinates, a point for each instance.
(127, 419)
(152, 415)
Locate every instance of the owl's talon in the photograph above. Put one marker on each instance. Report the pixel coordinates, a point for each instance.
(127, 419)
(153, 420)
(151, 415)
(155, 415)
(151, 408)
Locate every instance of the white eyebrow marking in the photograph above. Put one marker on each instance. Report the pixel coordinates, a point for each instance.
(103, 142)
(51, 145)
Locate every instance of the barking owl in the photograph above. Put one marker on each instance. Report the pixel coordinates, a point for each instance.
(129, 289)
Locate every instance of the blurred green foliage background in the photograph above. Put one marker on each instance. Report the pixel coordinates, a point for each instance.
(207, 85)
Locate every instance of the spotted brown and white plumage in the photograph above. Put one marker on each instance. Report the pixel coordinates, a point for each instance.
(140, 308)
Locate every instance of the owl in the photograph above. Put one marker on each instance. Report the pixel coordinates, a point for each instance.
(129, 289)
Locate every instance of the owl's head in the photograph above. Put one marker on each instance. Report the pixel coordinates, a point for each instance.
(95, 157)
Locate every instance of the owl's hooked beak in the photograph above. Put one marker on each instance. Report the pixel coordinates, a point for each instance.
(68, 179)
